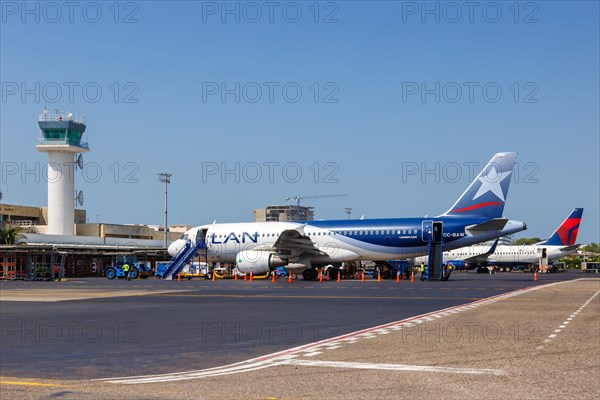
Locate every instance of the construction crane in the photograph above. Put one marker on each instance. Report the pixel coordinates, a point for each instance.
(298, 198)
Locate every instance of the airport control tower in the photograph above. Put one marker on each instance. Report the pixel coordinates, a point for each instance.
(61, 139)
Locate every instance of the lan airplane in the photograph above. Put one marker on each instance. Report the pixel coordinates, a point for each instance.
(301, 247)
(560, 244)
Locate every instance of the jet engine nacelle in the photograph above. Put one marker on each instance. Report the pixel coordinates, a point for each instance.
(258, 262)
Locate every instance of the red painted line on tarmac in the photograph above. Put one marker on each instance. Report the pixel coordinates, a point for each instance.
(391, 324)
(228, 369)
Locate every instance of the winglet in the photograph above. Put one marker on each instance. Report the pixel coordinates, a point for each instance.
(492, 249)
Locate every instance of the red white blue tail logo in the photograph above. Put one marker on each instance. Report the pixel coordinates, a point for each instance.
(486, 195)
(566, 234)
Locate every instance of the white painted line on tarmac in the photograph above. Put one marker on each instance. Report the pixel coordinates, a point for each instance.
(283, 357)
(394, 367)
(312, 354)
(564, 324)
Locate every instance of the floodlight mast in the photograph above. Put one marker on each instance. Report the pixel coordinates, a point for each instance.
(165, 178)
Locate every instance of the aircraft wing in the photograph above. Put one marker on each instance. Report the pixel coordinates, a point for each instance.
(483, 256)
(293, 242)
(496, 224)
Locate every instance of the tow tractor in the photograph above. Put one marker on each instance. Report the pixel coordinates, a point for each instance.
(137, 269)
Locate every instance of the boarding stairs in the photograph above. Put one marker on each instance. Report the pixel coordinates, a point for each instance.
(435, 252)
(184, 256)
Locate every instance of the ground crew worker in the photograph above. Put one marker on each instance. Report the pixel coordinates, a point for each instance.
(126, 270)
(422, 271)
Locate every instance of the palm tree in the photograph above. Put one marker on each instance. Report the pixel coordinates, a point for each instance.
(10, 235)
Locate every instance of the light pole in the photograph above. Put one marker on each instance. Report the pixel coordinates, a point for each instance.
(348, 211)
(165, 178)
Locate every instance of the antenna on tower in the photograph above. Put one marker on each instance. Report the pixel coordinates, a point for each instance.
(79, 162)
(79, 198)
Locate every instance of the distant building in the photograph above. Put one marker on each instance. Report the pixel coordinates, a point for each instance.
(284, 213)
(35, 220)
(502, 241)
(31, 217)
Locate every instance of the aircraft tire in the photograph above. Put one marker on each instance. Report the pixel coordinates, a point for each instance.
(333, 273)
(307, 274)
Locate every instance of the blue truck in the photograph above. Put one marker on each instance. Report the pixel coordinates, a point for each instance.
(137, 269)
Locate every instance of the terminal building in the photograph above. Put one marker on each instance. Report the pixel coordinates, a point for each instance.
(84, 254)
(284, 213)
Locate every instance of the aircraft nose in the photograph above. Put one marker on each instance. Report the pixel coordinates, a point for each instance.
(174, 248)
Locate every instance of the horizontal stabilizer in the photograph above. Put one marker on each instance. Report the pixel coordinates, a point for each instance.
(570, 248)
(496, 224)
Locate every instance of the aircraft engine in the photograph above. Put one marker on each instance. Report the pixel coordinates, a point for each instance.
(258, 262)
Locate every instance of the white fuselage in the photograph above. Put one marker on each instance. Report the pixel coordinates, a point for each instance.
(505, 255)
(392, 239)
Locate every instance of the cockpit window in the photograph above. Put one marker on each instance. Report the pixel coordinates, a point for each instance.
(185, 236)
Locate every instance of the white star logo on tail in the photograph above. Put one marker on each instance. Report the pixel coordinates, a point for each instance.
(491, 183)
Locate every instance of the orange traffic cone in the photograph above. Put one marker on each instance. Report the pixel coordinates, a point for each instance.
(398, 276)
(250, 276)
(362, 277)
(412, 277)
(178, 277)
(379, 276)
(273, 278)
(320, 276)
(535, 276)
(245, 276)
(339, 278)
(235, 277)
(290, 277)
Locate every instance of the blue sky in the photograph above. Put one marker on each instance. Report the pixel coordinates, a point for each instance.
(386, 87)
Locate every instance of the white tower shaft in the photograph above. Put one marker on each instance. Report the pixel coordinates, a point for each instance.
(61, 192)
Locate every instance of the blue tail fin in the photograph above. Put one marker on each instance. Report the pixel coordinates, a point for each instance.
(566, 234)
(486, 195)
